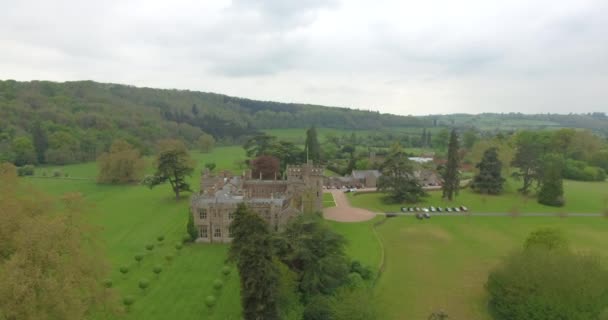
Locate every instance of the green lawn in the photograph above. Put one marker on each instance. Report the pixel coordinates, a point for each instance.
(443, 263)
(130, 217)
(362, 242)
(328, 200)
(581, 197)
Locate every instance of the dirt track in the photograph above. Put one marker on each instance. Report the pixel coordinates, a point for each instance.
(343, 212)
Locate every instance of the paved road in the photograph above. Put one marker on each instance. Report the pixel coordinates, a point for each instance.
(344, 212)
(497, 214)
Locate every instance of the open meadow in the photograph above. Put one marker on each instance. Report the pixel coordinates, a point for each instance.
(443, 263)
(581, 197)
(128, 218)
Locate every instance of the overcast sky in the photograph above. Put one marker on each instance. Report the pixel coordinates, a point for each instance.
(403, 57)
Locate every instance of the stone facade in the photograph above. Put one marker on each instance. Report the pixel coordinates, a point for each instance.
(276, 201)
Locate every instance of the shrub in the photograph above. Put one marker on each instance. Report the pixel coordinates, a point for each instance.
(217, 284)
(144, 284)
(27, 170)
(56, 173)
(226, 270)
(160, 239)
(107, 283)
(364, 272)
(138, 258)
(157, 270)
(149, 247)
(178, 247)
(186, 238)
(124, 270)
(169, 258)
(128, 301)
(210, 301)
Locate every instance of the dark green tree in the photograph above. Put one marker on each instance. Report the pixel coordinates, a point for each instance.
(259, 145)
(552, 186)
(530, 147)
(194, 110)
(191, 228)
(398, 179)
(451, 176)
(251, 250)
(311, 146)
(316, 253)
(41, 141)
(173, 164)
(489, 179)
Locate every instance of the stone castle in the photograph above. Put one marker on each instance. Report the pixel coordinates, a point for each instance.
(276, 201)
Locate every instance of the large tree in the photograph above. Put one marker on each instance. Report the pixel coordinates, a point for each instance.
(50, 266)
(41, 141)
(122, 164)
(552, 187)
(548, 282)
(489, 179)
(312, 148)
(398, 179)
(259, 144)
(206, 142)
(265, 167)
(173, 164)
(251, 249)
(24, 151)
(529, 150)
(315, 252)
(451, 176)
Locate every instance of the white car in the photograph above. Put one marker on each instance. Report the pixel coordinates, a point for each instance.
(425, 210)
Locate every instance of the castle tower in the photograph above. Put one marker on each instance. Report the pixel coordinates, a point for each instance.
(308, 178)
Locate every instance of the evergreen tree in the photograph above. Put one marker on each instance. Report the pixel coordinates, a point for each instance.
(530, 147)
(191, 228)
(429, 140)
(194, 110)
(451, 179)
(552, 187)
(41, 141)
(489, 179)
(312, 147)
(398, 177)
(251, 249)
(423, 138)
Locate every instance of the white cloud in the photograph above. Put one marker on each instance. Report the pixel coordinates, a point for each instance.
(406, 57)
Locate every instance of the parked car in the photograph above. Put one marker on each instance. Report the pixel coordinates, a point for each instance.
(427, 215)
(391, 214)
(417, 209)
(419, 216)
(439, 209)
(403, 209)
(425, 210)
(456, 210)
(432, 209)
(463, 208)
(448, 209)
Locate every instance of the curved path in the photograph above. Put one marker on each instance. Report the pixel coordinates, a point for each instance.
(344, 212)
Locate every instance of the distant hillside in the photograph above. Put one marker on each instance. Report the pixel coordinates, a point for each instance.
(78, 120)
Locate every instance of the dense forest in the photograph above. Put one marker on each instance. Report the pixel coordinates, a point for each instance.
(60, 123)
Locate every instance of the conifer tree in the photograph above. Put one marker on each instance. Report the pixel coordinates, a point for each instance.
(451, 179)
(252, 250)
(312, 147)
(489, 179)
(552, 188)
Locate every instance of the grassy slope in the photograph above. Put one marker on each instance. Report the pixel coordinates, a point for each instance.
(129, 217)
(581, 197)
(443, 263)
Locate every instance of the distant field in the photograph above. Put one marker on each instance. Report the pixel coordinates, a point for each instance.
(299, 135)
(443, 263)
(581, 197)
(130, 217)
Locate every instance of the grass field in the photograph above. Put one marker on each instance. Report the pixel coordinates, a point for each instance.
(328, 200)
(581, 197)
(442, 263)
(130, 217)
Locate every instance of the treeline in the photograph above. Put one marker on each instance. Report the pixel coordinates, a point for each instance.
(59, 123)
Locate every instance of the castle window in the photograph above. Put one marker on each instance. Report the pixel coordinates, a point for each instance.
(217, 233)
(202, 231)
(202, 213)
(230, 215)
